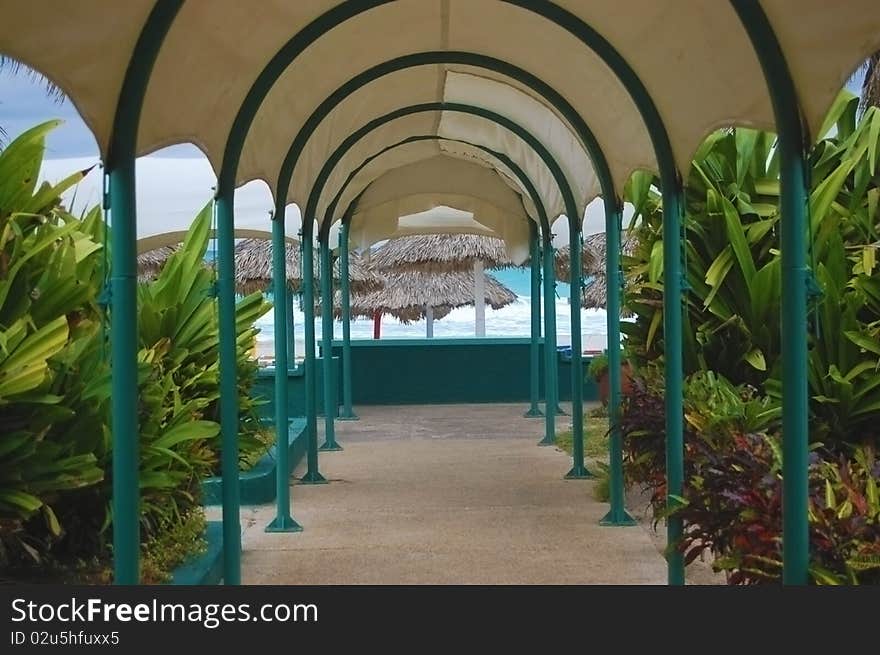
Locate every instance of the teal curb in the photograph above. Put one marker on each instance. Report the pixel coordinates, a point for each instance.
(258, 485)
(206, 568)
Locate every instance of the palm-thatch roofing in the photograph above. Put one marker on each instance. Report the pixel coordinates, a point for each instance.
(406, 295)
(592, 256)
(441, 253)
(595, 295)
(595, 291)
(150, 263)
(253, 268)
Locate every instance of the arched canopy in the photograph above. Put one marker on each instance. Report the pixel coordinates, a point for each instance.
(452, 126)
(491, 205)
(416, 150)
(203, 74)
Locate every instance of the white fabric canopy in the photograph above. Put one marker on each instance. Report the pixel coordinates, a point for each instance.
(490, 204)
(417, 151)
(693, 56)
(460, 88)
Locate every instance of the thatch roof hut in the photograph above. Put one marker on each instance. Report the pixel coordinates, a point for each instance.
(595, 292)
(150, 263)
(253, 268)
(441, 253)
(445, 254)
(406, 295)
(592, 258)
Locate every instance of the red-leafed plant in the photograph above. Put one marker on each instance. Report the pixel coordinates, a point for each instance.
(732, 500)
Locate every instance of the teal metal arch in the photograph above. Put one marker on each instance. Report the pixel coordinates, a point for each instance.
(549, 281)
(515, 168)
(232, 153)
(120, 168)
(674, 281)
(671, 189)
(793, 145)
(578, 469)
(612, 210)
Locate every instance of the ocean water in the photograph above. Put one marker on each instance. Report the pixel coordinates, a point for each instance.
(511, 321)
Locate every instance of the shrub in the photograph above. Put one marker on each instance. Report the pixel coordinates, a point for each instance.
(732, 500)
(50, 276)
(732, 317)
(598, 366)
(55, 442)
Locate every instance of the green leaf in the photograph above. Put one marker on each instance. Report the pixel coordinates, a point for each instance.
(188, 432)
(655, 270)
(756, 359)
(869, 344)
(843, 101)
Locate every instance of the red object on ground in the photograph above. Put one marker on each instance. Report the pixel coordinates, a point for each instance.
(377, 325)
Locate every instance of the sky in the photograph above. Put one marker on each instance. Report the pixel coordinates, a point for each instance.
(168, 191)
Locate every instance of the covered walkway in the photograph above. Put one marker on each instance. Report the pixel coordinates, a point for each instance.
(446, 494)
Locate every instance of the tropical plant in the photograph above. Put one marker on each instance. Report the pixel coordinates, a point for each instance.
(180, 406)
(732, 318)
(598, 366)
(49, 279)
(55, 443)
(732, 496)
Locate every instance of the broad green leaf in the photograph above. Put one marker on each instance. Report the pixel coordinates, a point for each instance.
(756, 359)
(862, 341)
(843, 100)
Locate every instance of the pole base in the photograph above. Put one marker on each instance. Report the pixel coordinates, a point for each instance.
(579, 473)
(547, 442)
(330, 447)
(283, 524)
(560, 412)
(348, 416)
(313, 478)
(620, 519)
(534, 412)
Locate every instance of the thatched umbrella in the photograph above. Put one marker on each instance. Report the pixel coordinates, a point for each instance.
(150, 263)
(595, 293)
(592, 257)
(253, 268)
(441, 253)
(411, 296)
(447, 253)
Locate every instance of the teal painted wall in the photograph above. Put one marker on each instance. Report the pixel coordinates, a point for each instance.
(426, 371)
(264, 388)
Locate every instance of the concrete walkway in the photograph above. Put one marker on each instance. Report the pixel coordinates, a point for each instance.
(446, 494)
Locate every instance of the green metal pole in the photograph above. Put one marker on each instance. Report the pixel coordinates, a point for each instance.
(347, 413)
(795, 407)
(124, 399)
(794, 219)
(282, 522)
(673, 211)
(550, 357)
(330, 408)
(312, 476)
(578, 469)
(617, 515)
(228, 385)
(534, 347)
(120, 166)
